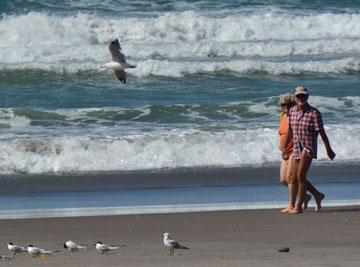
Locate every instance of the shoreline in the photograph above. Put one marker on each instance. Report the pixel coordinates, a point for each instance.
(166, 191)
(183, 177)
(54, 213)
(226, 238)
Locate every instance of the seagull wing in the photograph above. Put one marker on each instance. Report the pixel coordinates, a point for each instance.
(34, 250)
(43, 251)
(113, 247)
(115, 50)
(121, 75)
(21, 249)
(15, 248)
(177, 245)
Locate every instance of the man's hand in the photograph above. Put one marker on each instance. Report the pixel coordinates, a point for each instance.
(331, 154)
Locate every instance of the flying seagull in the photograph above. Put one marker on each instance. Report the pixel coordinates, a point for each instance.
(172, 244)
(72, 246)
(15, 248)
(34, 251)
(118, 63)
(102, 248)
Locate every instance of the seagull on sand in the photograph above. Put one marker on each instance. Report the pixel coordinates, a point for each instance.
(118, 63)
(72, 246)
(172, 244)
(102, 248)
(34, 251)
(15, 248)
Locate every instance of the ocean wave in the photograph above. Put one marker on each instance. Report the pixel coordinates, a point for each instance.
(177, 69)
(163, 149)
(178, 43)
(149, 8)
(176, 114)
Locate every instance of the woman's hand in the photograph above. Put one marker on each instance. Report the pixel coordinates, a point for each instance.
(285, 155)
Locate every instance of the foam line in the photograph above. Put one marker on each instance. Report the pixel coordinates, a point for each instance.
(158, 209)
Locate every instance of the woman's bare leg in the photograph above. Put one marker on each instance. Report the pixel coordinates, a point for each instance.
(292, 185)
(284, 172)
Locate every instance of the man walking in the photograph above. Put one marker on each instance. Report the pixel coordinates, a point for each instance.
(305, 124)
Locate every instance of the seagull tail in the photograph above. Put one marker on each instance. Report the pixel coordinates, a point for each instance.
(183, 247)
(130, 66)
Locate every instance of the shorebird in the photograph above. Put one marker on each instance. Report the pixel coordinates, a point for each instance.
(102, 248)
(34, 251)
(72, 246)
(15, 248)
(172, 244)
(118, 63)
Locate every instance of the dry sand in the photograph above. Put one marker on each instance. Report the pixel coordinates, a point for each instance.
(236, 238)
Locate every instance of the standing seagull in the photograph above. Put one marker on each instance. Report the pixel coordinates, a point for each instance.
(102, 248)
(172, 244)
(72, 246)
(118, 63)
(34, 251)
(15, 248)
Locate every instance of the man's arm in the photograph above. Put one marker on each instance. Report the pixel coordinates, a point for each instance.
(320, 128)
(331, 154)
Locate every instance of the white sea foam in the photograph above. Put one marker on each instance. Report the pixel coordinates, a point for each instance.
(162, 149)
(155, 209)
(178, 43)
(10, 120)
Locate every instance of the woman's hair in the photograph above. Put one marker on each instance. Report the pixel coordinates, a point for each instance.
(288, 99)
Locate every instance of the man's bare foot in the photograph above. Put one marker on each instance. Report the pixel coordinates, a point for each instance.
(286, 210)
(318, 202)
(295, 211)
(306, 201)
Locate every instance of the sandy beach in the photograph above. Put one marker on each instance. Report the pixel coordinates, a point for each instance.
(236, 238)
(189, 145)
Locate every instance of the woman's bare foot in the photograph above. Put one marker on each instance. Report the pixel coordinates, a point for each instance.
(286, 210)
(295, 211)
(306, 201)
(318, 202)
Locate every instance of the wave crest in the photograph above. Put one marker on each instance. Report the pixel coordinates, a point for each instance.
(178, 43)
(174, 149)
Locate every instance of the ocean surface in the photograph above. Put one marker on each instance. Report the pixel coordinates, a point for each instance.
(204, 93)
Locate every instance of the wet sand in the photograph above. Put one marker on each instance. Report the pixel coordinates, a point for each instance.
(148, 179)
(235, 238)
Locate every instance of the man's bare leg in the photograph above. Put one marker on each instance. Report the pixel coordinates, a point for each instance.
(302, 168)
(317, 195)
(306, 200)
